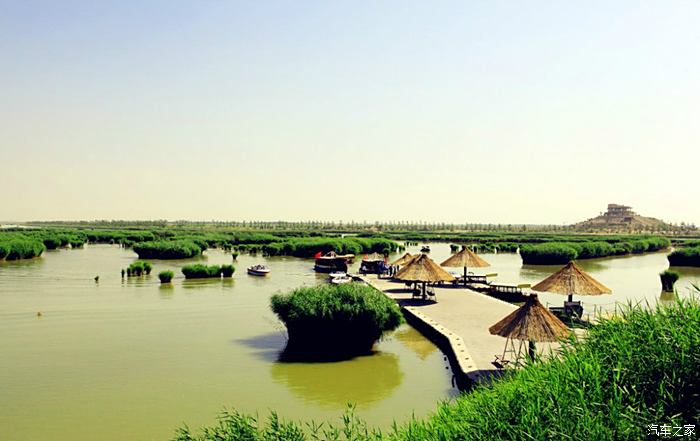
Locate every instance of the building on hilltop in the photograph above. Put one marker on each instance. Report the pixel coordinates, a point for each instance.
(621, 218)
(619, 214)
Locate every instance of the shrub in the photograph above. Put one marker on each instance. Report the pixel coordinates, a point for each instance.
(547, 253)
(165, 276)
(165, 249)
(77, 243)
(668, 279)
(51, 243)
(139, 268)
(200, 271)
(227, 270)
(334, 320)
(234, 255)
(17, 247)
(685, 257)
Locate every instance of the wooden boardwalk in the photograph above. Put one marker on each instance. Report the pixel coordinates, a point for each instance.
(461, 318)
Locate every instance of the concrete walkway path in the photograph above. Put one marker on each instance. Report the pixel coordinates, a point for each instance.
(463, 317)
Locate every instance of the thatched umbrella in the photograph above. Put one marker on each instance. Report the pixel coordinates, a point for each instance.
(403, 260)
(465, 258)
(532, 322)
(570, 280)
(423, 269)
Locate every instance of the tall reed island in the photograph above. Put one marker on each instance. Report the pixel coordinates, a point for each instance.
(334, 321)
(550, 253)
(609, 386)
(688, 256)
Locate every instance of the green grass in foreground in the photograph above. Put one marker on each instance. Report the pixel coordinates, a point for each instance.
(640, 368)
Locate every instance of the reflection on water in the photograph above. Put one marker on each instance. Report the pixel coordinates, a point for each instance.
(414, 341)
(363, 381)
(667, 297)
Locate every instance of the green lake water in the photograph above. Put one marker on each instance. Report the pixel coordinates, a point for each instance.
(131, 360)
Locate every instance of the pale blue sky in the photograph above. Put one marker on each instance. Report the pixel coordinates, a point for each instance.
(510, 112)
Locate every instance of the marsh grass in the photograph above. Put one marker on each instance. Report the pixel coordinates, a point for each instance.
(668, 279)
(334, 321)
(689, 256)
(139, 268)
(169, 249)
(200, 271)
(166, 276)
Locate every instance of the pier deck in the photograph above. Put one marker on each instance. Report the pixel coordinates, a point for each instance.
(463, 317)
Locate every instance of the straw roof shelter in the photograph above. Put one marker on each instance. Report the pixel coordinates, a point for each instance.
(403, 260)
(423, 269)
(465, 258)
(373, 257)
(570, 280)
(532, 322)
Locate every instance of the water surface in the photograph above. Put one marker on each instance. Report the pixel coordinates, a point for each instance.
(132, 360)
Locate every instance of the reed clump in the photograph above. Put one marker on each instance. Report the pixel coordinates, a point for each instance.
(139, 268)
(668, 279)
(200, 271)
(550, 253)
(168, 249)
(16, 247)
(329, 321)
(166, 276)
(227, 270)
(689, 256)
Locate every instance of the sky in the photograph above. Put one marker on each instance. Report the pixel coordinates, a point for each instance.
(455, 111)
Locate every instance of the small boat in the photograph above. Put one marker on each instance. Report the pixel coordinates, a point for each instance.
(425, 249)
(335, 274)
(258, 270)
(341, 280)
(374, 263)
(332, 262)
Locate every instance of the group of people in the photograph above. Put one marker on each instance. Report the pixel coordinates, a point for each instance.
(391, 270)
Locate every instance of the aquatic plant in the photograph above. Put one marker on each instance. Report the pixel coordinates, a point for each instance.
(608, 386)
(53, 242)
(668, 279)
(685, 257)
(227, 270)
(334, 320)
(15, 247)
(200, 271)
(166, 276)
(168, 249)
(556, 252)
(139, 268)
(547, 253)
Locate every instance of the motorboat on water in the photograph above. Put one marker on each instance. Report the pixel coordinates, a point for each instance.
(258, 270)
(332, 262)
(341, 280)
(374, 263)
